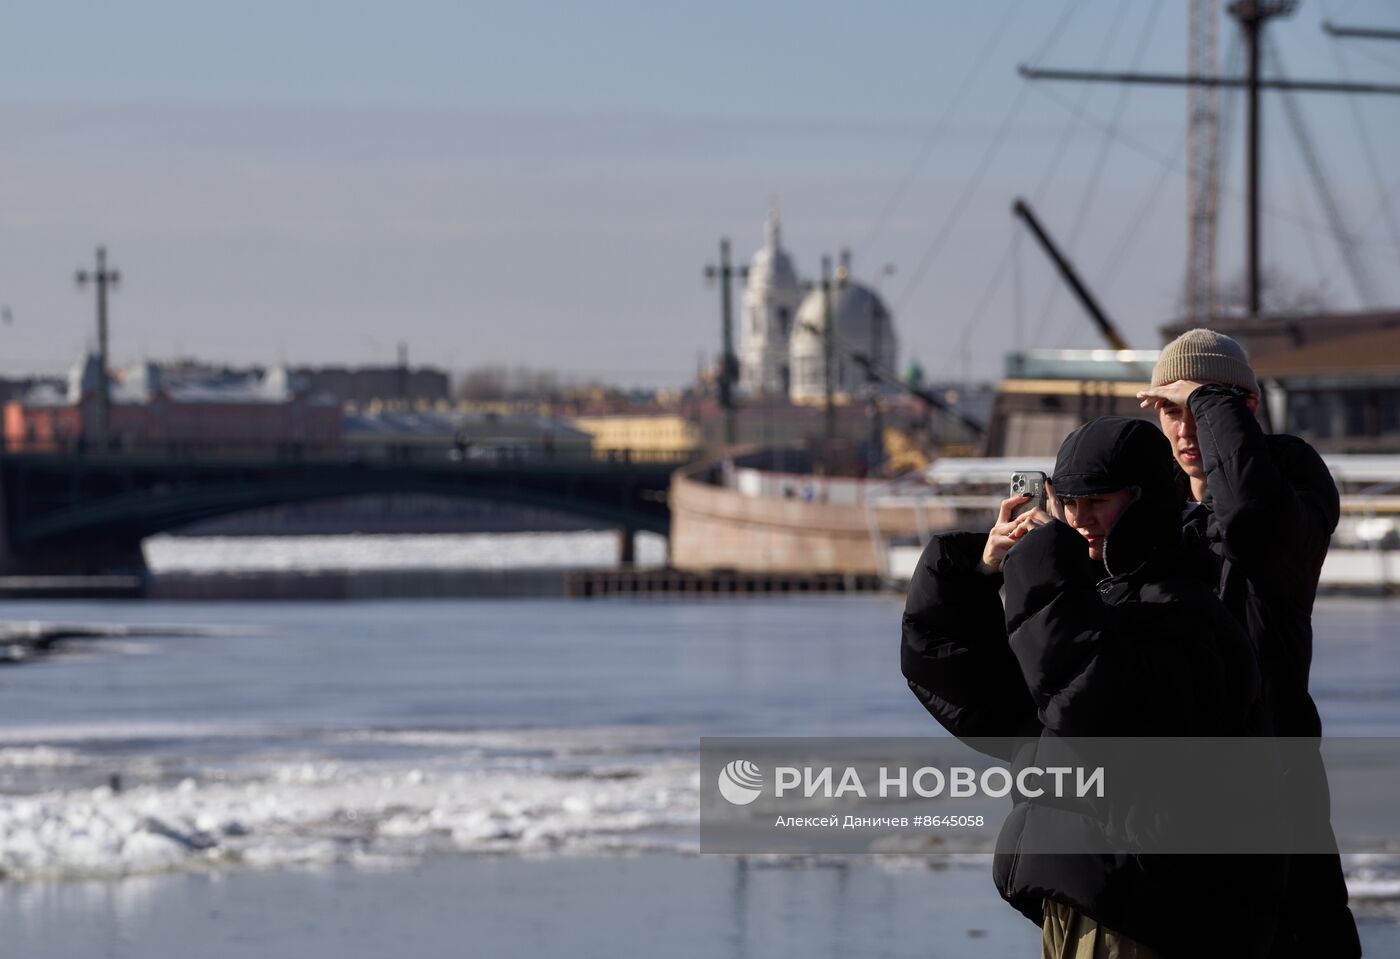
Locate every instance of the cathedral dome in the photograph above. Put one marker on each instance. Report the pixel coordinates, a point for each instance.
(857, 312)
(862, 325)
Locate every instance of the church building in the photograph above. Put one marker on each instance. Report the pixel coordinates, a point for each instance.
(783, 349)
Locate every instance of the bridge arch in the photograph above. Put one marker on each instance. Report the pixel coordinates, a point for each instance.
(98, 508)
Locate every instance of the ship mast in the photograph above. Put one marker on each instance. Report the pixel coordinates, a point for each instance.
(1252, 16)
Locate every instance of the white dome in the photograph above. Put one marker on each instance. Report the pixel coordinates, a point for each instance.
(863, 325)
(856, 311)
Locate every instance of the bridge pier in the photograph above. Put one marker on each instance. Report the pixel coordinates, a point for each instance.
(88, 558)
(626, 547)
(4, 516)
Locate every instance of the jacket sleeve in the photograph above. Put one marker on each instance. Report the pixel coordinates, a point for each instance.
(1099, 669)
(954, 652)
(1275, 503)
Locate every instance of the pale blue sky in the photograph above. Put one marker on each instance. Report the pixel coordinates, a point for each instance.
(542, 183)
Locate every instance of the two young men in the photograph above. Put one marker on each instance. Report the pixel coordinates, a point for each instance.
(1261, 516)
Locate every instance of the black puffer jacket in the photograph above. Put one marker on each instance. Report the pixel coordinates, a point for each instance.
(1132, 648)
(1263, 532)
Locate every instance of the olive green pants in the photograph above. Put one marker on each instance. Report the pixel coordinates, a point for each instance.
(1069, 934)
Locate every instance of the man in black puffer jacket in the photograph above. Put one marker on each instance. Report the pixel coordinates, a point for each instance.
(1102, 636)
(1262, 519)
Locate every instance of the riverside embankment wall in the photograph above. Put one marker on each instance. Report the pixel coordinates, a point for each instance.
(716, 527)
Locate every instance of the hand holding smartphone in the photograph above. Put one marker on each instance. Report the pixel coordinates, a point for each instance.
(1029, 483)
(1010, 527)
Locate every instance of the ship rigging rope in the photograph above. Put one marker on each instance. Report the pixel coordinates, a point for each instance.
(941, 127)
(1302, 193)
(1309, 237)
(1375, 56)
(1133, 229)
(1385, 198)
(1346, 243)
(1091, 185)
(974, 320)
(1010, 258)
(1229, 111)
(1071, 128)
(975, 181)
(1368, 148)
(1161, 159)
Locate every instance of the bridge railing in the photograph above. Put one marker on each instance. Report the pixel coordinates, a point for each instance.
(475, 455)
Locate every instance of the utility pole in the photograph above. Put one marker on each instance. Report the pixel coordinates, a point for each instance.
(830, 285)
(1252, 16)
(728, 362)
(101, 278)
(828, 351)
(877, 425)
(401, 374)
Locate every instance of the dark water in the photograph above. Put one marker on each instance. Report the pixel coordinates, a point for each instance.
(821, 666)
(367, 688)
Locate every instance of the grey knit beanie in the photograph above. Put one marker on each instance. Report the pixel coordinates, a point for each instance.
(1206, 357)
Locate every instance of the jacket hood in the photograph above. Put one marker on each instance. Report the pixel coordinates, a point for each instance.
(1115, 453)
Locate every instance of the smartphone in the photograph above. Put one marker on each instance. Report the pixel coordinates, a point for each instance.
(1030, 483)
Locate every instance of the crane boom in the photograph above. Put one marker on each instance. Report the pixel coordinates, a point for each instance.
(1096, 313)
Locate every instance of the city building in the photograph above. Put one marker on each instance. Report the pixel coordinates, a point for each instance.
(860, 325)
(772, 295)
(358, 387)
(1342, 395)
(1047, 393)
(455, 434)
(661, 432)
(149, 410)
(783, 350)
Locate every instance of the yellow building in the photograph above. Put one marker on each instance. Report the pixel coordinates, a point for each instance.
(641, 432)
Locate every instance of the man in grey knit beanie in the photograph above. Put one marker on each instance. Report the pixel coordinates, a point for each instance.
(1265, 510)
(1193, 359)
(1204, 356)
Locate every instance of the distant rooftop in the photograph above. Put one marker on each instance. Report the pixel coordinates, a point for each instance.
(139, 383)
(1374, 352)
(430, 423)
(1265, 334)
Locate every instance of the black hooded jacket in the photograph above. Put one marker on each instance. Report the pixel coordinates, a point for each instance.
(1131, 647)
(1262, 534)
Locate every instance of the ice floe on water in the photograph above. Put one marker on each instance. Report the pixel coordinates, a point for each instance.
(38, 756)
(482, 793)
(232, 554)
(1372, 878)
(227, 798)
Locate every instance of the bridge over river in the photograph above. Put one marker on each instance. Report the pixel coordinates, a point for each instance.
(85, 512)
